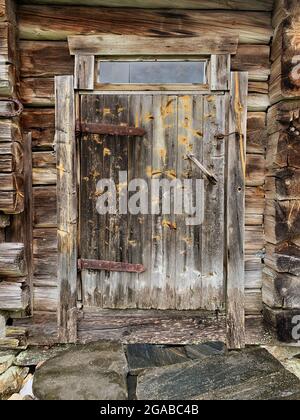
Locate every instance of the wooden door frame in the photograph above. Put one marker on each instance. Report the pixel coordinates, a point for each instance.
(67, 192)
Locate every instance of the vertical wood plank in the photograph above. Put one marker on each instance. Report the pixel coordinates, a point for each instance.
(236, 211)
(67, 208)
(220, 72)
(28, 213)
(84, 72)
(213, 231)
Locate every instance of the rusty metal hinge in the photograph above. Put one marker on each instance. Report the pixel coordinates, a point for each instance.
(99, 265)
(209, 175)
(109, 129)
(18, 108)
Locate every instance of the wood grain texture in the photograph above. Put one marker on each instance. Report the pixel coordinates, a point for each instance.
(236, 212)
(12, 260)
(132, 45)
(264, 5)
(67, 208)
(84, 72)
(13, 296)
(45, 23)
(220, 66)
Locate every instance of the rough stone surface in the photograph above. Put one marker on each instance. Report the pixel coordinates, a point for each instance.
(192, 379)
(34, 356)
(289, 357)
(95, 371)
(11, 381)
(145, 356)
(277, 386)
(6, 360)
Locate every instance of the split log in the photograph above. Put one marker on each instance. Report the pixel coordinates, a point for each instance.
(263, 5)
(7, 43)
(7, 80)
(45, 299)
(46, 23)
(253, 272)
(37, 92)
(284, 184)
(11, 157)
(257, 136)
(253, 302)
(10, 131)
(255, 59)
(44, 168)
(283, 258)
(254, 239)
(281, 290)
(255, 200)
(41, 123)
(282, 322)
(281, 115)
(14, 296)
(45, 207)
(12, 260)
(255, 171)
(45, 252)
(282, 220)
(258, 102)
(45, 59)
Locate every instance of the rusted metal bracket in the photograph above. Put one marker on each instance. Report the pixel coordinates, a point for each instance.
(18, 108)
(99, 265)
(110, 129)
(210, 176)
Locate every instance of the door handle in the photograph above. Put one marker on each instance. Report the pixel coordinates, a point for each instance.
(209, 175)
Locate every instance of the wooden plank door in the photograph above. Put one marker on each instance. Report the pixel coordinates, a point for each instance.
(184, 264)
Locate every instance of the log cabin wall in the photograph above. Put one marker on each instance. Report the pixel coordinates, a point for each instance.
(281, 282)
(14, 281)
(43, 32)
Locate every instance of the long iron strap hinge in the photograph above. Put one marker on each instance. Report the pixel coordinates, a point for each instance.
(109, 129)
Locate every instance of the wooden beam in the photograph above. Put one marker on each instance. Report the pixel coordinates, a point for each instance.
(44, 23)
(264, 5)
(67, 208)
(12, 260)
(13, 296)
(220, 72)
(117, 45)
(236, 211)
(84, 72)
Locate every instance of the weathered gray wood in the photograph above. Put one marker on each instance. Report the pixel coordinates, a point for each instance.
(236, 211)
(114, 45)
(3, 319)
(264, 5)
(67, 208)
(13, 296)
(28, 214)
(281, 290)
(84, 72)
(220, 72)
(12, 260)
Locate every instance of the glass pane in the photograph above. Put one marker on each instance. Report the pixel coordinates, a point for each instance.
(153, 72)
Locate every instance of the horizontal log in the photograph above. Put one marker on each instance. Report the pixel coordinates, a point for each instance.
(11, 182)
(11, 157)
(45, 252)
(10, 131)
(14, 296)
(12, 260)
(284, 184)
(46, 23)
(255, 59)
(258, 102)
(7, 43)
(283, 258)
(11, 202)
(255, 200)
(258, 87)
(44, 207)
(254, 219)
(7, 80)
(257, 136)
(45, 299)
(44, 168)
(253, 278)
(254, 239)
(255, 171)
(41, 123)
(7, 11)
(37, 92)
(264, 5)
(281, 290)
(253, 302)
(283, 150)
(45, 59)
(280, 115)
(45, 281)
(282, 220)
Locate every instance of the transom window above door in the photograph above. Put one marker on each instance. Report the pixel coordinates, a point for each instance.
(161, 72)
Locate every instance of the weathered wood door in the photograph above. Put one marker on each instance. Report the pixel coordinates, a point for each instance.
(184, 264)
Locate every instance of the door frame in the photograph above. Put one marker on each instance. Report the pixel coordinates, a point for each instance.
(67, 93)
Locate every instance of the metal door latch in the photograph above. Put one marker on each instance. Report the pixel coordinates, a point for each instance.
(209, 175)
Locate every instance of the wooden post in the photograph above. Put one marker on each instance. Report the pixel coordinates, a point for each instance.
(28, 213)
(236, 211)
(67, 208)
